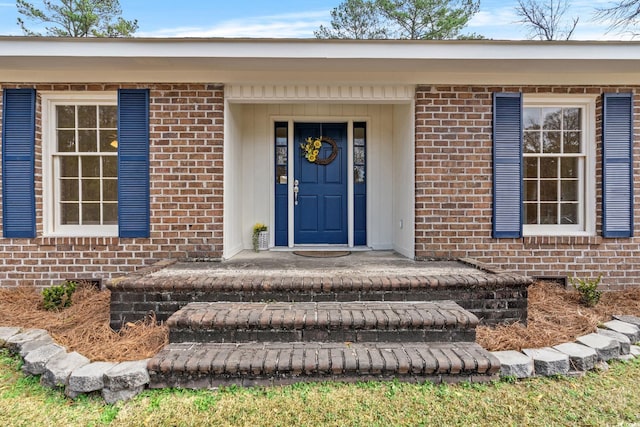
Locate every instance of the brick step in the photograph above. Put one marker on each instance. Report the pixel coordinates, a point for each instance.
(441, 321)
(494, 298)
(206, 365)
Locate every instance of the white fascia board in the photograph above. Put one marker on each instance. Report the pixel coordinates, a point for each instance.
(312, 48)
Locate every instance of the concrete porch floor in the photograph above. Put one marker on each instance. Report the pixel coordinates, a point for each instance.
(357, 263)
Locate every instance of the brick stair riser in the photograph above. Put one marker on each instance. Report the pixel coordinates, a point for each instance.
(491, 306)
(209, 365)
(199, 382)
(322, 335)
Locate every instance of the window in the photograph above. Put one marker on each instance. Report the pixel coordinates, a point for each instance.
(544, 165)
(81, 156)
(558, 169)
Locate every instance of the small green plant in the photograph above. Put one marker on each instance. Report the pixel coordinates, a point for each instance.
(588, 289)
(59, 297)
(257, 228)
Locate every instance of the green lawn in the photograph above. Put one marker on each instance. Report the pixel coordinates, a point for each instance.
(609, 398)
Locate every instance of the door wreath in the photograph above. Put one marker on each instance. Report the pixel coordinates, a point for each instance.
(312, 149)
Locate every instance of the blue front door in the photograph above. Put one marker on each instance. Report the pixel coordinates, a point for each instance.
(320, 210)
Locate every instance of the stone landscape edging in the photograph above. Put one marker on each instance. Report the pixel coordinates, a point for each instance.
(123, 380)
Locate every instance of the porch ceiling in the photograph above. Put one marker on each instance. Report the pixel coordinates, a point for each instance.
(300, 61)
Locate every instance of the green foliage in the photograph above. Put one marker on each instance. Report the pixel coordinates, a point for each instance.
(76, 18)
(535, 401)
(588, 289)
(400, 19)
(257, 228)
(109, 414)
(428, 19)
(354, 19)
(58, 297)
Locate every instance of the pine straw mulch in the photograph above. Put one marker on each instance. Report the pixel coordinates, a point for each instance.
(83, 327)
(555, 316)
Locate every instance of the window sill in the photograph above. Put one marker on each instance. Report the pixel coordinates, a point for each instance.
(555, 241)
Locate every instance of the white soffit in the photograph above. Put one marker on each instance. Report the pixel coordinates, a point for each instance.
(318, 93)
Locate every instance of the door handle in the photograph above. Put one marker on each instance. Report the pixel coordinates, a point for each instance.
(295, 192)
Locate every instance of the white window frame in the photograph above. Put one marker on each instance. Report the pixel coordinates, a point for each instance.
(50, 170)
(587, 200)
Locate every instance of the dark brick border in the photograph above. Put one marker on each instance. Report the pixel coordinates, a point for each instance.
(496, 297)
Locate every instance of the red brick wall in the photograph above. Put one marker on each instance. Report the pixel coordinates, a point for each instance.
(186, 171)
(454, 191)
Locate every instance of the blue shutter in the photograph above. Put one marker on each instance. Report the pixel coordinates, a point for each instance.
(133, 163)
(507, 165)
(18, 152)
(617, 165)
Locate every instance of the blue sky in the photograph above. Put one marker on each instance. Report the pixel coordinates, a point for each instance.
(296, 18)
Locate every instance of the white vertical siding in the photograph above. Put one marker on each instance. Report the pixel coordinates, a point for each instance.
(252, 158)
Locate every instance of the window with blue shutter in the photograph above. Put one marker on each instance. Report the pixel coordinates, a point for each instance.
(133, 163)
(18, 151)
(507, 165)
(617, 165)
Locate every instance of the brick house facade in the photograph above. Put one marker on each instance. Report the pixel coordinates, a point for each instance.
(454, 197)
(185, 166)
(426, 114)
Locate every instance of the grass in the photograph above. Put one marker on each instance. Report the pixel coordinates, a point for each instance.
(606, 398)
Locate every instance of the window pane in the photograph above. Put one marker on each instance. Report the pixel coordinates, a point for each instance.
(281, 156)
(87, 184)
(69, 214)
(569, 213)
(552, 118)
(91, 213)
(88, 141)
(91, 190)
(549, 190)
(66, 141)
(551, 142)
(549, 168)
(68, 167)
(108, 142)
(569, 191)
(531, 190)
(358, 174)
(571, 142)
(548, 213)
(110, 190)
(90, 166)
(87, 116)
(66, 116)
(110, 213)
(281, 174)
(531, 119)
(358, 136)
(110, 166)
(69, 190)
(569, 168)
(530, 167)
(531, 142)
(358, 155)
(571, 119)
(531, 213)
(281, 136)
(108, 116)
